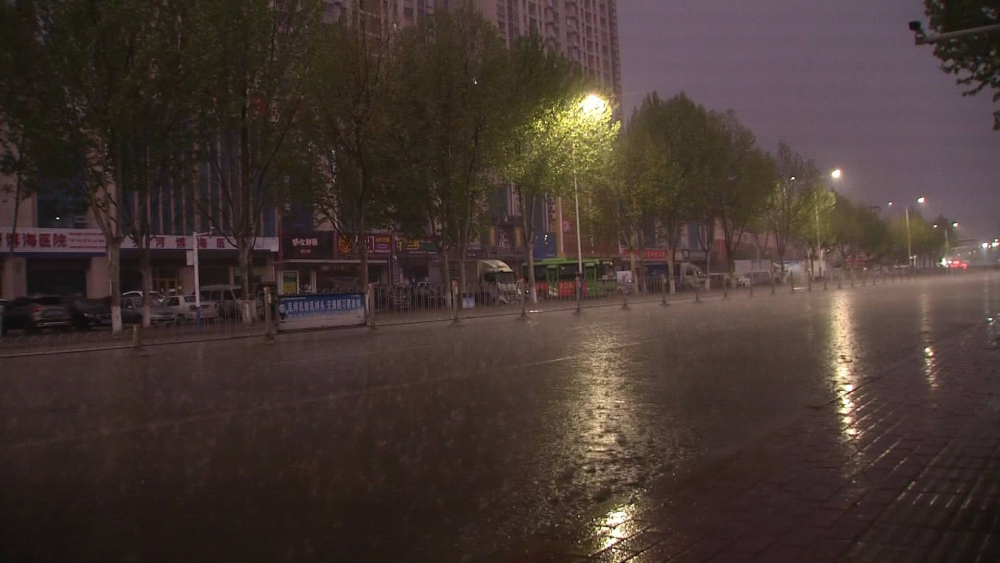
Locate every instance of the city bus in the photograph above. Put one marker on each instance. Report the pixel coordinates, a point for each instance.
(555, 278)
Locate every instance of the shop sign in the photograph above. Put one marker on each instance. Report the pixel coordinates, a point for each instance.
(378, 244)
(91, 241)
(648, 254)
(307, 246)
(296, 312)
(415, 247)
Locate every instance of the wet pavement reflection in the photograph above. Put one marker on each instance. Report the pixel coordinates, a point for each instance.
(433, 442)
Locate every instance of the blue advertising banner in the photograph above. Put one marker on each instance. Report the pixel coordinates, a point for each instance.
(320, 311)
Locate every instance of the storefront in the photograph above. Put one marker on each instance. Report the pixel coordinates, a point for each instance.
(74, 262)
(328, 262)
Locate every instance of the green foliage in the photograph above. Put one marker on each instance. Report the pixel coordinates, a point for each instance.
(791, 204)
(975, 60)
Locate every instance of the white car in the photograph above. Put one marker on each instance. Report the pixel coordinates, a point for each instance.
(184, 307)
(155, 296)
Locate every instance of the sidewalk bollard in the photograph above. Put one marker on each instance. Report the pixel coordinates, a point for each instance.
(455, 301)
(269, 330)
(628, 288)
(750, 284)
(663, 280)
(852, 277)
(864, 277)
(809, 282)
(773, 286)
(840, 279)
(137, 337)
(725, 289)
(791, 281)
(825, 275)
(697, 295)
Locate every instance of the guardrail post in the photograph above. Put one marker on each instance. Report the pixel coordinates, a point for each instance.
(137, 337)
(791, 281)
(665, 289)
(864, 277)
(455, 301)
(824, 278)
(852, 276)
(579, 295)
(809, 281)
(697, 289)
(773, 285)
(625, 291)
(725, 288)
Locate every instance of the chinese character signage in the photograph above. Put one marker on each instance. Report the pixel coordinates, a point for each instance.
(307, 246)
(378, 245)
(91, 242)
(414, 247)
(296, 312)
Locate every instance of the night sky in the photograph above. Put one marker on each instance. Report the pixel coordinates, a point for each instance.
(841, 82)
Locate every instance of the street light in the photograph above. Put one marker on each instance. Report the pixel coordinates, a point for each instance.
(909, 241)
(197, 281)
(836, 174)
(590, 105)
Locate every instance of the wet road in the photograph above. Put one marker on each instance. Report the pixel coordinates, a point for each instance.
(425, 442)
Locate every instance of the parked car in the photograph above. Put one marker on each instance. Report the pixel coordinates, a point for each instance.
(184, 310)
(229, 300)
(158, 314)
(89, 313)
(32, 314)
(156, 296)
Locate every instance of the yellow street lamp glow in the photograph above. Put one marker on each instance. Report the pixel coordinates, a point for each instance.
(836, 174)
(593, 104)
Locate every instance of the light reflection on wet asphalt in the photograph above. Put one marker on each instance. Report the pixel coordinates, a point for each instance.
(427, 443)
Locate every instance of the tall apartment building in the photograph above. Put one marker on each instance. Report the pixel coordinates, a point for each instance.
(585, 31)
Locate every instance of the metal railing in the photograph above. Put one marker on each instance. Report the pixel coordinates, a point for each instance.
(425, 302)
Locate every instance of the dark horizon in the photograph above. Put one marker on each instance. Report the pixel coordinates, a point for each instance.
(843, 84)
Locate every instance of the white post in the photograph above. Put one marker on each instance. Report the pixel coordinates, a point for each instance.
(909, 244)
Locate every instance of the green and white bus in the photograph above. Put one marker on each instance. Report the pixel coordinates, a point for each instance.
(555, 278)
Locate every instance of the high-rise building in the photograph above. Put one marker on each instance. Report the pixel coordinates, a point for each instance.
(585, 31)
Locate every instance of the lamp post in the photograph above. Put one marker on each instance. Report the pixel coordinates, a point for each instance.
(590, 105)
(909, 240)
(197, 281)
(836, 174)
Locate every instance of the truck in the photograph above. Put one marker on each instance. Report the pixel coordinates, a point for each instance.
(497, 282)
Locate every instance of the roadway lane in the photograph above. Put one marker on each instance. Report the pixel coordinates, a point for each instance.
(425, 442)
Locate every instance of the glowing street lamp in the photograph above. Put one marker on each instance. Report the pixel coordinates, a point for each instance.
(591, 105)
(836, 174)
(909, 241)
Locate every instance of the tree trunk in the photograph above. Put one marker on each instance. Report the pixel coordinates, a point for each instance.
(18, 182)
(462, 278)
(529, 245)
(147, 281)
(248, 308)
(446, 276)
(363, 247)
(671, 267)
(114, 273)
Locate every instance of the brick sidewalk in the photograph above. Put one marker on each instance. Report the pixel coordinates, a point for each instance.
(904, 467)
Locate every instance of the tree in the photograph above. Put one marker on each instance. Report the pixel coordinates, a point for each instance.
(747, 177)
(791, 199)
(975, 60)
(349, 99)
(537, 151)
(105, 62)
(457, 72)
(256, 56)
(665, 150)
